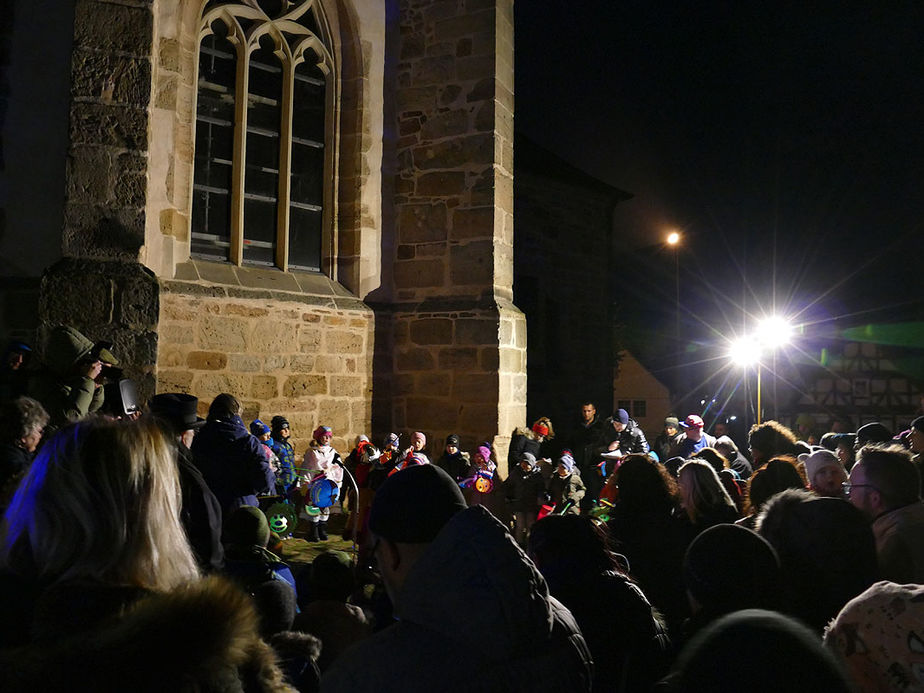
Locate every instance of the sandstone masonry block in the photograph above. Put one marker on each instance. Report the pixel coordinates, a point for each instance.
(422, 223)
(431, 331)
(443, 183)
(347, 386)
(207, 360)
(244, 363)
(419, 273)
(475, 222)
(174, 381)
(210, 385)
(223, 334)
(301, 364)
(344, 342)
(414, 360)
(270, 337)
(304, 386)
(476, 331)
(458, 359)
(264, 387)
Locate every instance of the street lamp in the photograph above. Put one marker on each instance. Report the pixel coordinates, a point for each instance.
(771, 334)
(673, 240)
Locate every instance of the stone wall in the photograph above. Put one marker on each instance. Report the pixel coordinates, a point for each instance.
(457, 362)
(303, 355)
(567, 278)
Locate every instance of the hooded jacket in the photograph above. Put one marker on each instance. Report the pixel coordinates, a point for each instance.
(474, 615)
(66, 397)
(232, 463)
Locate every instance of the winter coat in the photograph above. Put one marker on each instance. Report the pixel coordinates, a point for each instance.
(631, 438)
(66, 397)
(685, 446)
(105, 638)
(474, 615)
(286, 454)
(458, 466)
(524, 491)
(324, 460)
(627, 641)
(654, 541)
(523, 440)
(899, 538)
(584, 442)
(232, 463)
(200, 514)
(569, 488)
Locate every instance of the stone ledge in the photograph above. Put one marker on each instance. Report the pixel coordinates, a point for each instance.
(216, 279)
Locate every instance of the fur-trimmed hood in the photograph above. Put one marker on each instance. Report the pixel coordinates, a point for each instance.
(203, 637)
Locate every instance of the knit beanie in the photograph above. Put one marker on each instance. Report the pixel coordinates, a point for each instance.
(392, 439)
(414, 504)
(621, 415)
(453, 440)
(529, 458)
(728, 567)
(817, 460)
(878, 637)
(320, 431)
(278, 423)
(567, 461)
(247, 526)
(258, 428)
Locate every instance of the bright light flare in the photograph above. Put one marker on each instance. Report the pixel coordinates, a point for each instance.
(673, 238)
(774, 332)
(744, 351)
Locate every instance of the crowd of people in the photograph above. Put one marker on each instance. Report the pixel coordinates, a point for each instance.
(141, 549)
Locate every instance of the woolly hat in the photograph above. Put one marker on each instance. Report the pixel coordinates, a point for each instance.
(360, 439)
(727, 568)
(258, 428)
(873, 432)
(453, 440)
(485, 452)
(414, 504)
(798, 660)
(247, 526)
(392, 439)
(727, 442)
(320, 431)
(878, 636)
(621, 415)
(567, 461)
(817, 460)
(278, 423)
(672, 421)
(529, 458)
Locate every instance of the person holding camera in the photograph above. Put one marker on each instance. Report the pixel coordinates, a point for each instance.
(69, 385)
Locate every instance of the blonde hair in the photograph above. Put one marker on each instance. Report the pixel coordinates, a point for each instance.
(701, 489)
(101, 502)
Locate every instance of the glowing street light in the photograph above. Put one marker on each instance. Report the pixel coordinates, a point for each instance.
(774, 332)
(673, 238)
(771, 334)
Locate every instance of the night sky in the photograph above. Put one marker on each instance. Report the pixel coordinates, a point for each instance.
(787, 144)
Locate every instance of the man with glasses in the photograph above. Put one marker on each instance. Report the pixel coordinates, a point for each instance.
(885, 485)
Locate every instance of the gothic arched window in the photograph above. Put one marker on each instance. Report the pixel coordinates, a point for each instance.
(263, 168)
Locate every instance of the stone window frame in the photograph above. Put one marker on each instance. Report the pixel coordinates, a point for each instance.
(245, 43)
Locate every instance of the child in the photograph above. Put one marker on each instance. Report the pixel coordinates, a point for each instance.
(481, 483)
(565, 487)
(262, 433)
(284, 451)
(385, 463)
(455, 462)
(524, 491)
(413, 455)
(322, 464)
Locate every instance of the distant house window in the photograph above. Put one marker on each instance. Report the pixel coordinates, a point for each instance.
(639, 408)
(625, 404)
(263, 165)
